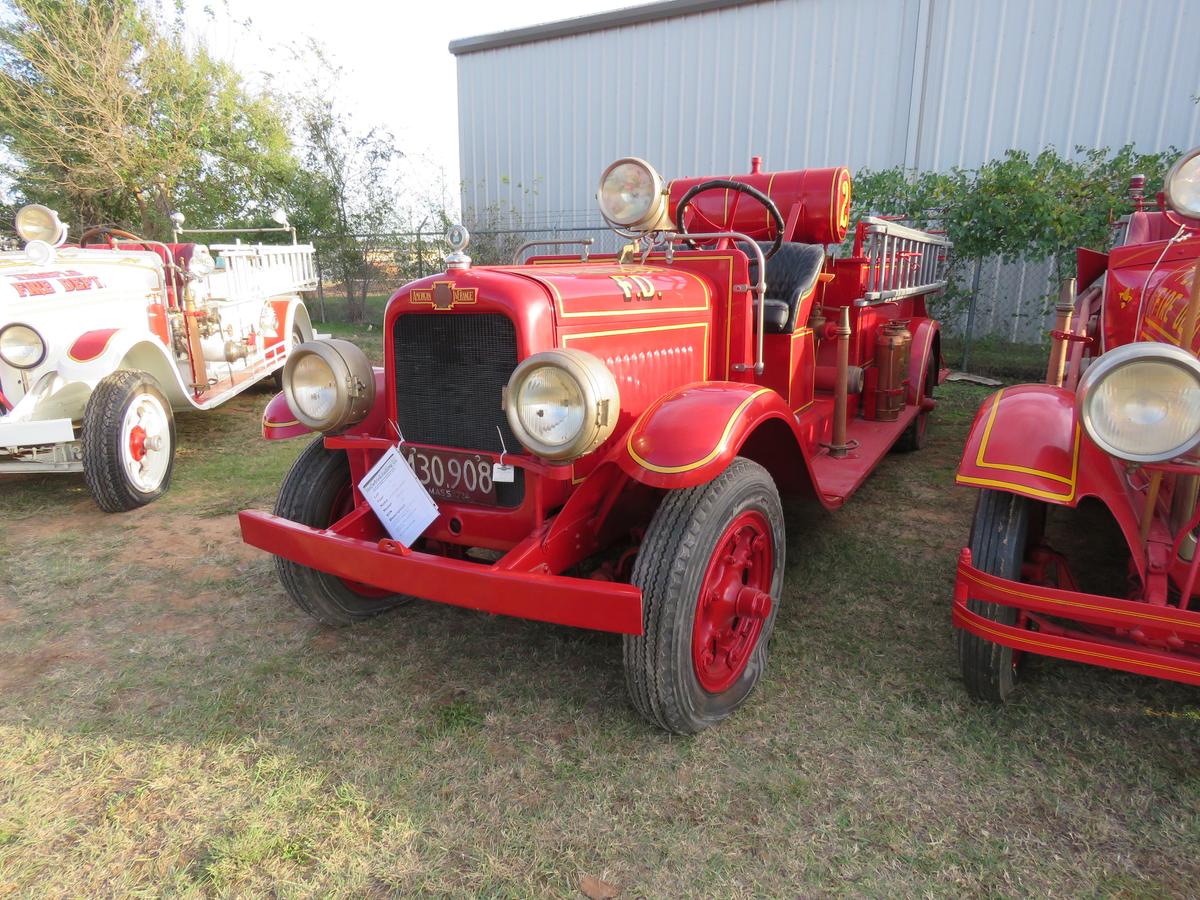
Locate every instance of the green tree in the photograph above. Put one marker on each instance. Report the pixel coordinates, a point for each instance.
(110, 115)
(347, 195)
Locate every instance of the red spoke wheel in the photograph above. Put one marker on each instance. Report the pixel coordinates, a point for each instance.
(711, 574)
(317, 492)
(1006, 528)
(734, 601)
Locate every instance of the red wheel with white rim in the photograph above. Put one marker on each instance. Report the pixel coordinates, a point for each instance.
(128, 441)
(317, 492)
(711, 573)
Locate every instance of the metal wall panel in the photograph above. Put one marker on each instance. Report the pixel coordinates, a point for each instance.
(874, 83)
(799, 82)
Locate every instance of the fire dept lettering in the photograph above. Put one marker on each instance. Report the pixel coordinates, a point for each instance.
(634, 286)
(1168, 306)
(42, 284)
(443, 295)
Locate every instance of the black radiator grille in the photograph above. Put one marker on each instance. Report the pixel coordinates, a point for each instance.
(450, 369)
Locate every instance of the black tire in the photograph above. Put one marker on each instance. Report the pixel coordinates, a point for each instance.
(674, 559)
(915, 434)
(1000, 538)
(311, 494)
(118, 477)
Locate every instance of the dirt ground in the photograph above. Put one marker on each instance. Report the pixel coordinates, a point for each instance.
(170, 725)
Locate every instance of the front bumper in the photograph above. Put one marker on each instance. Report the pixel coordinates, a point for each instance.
(385, 564)
(1126, 635)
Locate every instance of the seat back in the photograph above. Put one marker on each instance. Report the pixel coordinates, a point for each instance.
(791, 274)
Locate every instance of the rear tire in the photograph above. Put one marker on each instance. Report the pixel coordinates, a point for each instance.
(128, 441)
(316, 492)
(914, 435)
(999, 542)
(702, 652)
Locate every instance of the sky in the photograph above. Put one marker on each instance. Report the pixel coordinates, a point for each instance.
(397, 70)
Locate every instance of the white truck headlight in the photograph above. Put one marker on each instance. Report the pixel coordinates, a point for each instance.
(40, 223)
(1182, 184)
(562, 404)
(631, 194)
(329, 384)
(21, 347)
(1141, 402)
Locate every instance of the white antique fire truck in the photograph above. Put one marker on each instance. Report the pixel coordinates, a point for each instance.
(100, 342)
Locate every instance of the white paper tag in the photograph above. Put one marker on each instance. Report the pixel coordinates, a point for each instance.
(398, 498)
(502, 472)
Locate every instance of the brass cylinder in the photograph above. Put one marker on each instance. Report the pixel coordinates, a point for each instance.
(1062, 324)
(838, 447)
(892, 344)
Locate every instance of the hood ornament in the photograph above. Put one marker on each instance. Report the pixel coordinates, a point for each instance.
(458, 238)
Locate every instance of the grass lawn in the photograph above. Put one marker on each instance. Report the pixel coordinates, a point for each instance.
(171, 725)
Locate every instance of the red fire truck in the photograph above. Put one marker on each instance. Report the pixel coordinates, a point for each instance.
(1118, 419)
(653, 404)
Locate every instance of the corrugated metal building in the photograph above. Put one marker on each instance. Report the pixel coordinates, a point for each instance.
(698, 86)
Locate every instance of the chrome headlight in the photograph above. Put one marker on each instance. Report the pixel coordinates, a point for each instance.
(1182, 184)
(562, 404)
(631, 194)
(40, 223)
(21, 347)
(1141, 402)
(329, 384)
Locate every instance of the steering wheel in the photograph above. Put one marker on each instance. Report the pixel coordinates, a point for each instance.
(728, 184)
(108, 231)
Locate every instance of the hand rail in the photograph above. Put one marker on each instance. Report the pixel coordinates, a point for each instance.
(672, 237)
(583, 254)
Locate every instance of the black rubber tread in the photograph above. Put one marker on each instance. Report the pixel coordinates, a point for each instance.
(102, 417)
(914, 437)
(999, 538)
(659, 674)
(306, 496)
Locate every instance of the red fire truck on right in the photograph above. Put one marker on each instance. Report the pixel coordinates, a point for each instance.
(1117, 419)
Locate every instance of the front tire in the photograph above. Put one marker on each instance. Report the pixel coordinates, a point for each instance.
(317, 492)
(1000, 538)
(128, 441)
(711, 574)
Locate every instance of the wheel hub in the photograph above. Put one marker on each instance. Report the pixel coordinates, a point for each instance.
(734, 602)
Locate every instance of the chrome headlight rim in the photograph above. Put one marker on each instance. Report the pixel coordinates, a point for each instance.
(1171, 190)
(1112, 362)
(31, 232)
(7, 330)
(601, 402)
(654, 210)
(352, 377)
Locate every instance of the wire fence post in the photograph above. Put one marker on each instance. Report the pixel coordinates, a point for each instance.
(966, 356)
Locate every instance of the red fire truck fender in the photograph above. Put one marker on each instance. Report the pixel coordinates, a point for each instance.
(279, 422)
(102, 351)
(926, 346)
(1027, 440)
(691, 434)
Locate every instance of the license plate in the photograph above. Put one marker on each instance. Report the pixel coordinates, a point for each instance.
(457, 477)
